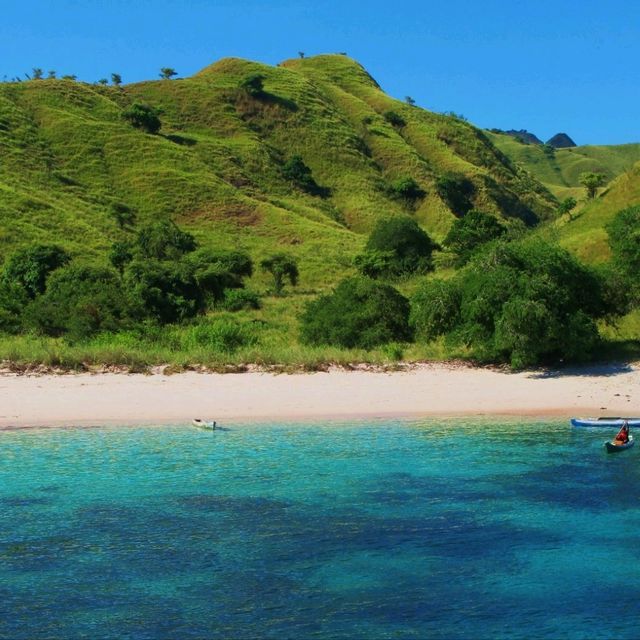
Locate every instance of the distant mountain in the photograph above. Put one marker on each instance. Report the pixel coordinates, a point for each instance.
(561, 141)
(560, 169)
(521, 135)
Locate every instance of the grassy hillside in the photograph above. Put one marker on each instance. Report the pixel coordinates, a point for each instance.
(584, 233)
(216, 166)
(560, 171)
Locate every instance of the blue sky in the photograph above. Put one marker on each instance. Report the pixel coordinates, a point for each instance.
(545, 66)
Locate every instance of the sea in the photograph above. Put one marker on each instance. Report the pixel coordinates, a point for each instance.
(449, 528)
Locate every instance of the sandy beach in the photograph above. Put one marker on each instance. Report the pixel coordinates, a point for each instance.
(426, 390)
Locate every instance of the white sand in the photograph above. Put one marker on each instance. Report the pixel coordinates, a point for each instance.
(86, 399)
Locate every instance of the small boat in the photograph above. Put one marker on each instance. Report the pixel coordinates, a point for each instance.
(612, 447)
(607, 421)
(204, 424)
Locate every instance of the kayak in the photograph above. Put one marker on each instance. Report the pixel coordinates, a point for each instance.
(605, 422)
(614, 448)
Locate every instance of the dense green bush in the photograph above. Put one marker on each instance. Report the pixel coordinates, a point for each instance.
(471, 231)
(223, 335)
(522, 302)
(164, 240)
(396, 246)
(80, 300)
(239, 299)
(406, 189)
(163, 291)
(394, 119)
(13, 300)
(359, 313)
(142, 116)
(624, 239)
(435, 308)
(29, 267)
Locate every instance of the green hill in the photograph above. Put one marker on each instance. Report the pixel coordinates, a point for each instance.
(559, 170)
(584, 233)
(219, 168)
(217, 165)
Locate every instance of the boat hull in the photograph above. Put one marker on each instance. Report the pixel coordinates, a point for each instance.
(204, 424)
(614, 448)
(604, 422)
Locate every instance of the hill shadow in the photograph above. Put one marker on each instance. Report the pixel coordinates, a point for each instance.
(181, 140)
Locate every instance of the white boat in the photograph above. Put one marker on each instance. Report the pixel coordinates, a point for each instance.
(610, 421)
(204, 424)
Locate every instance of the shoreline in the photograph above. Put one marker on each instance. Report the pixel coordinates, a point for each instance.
(425, 390)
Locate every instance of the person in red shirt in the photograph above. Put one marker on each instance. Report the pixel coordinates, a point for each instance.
(623, 434)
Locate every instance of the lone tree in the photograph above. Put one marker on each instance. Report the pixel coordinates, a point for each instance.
(36, 74)
(116, 79)
(281, 267)
(103, 81)
(592, 182)
(410, 101)
(52, 75)
(166, 73)
(567, 206)
(142, 116)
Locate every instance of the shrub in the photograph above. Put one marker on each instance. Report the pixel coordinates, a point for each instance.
(253, 85)
(397, 246)
(222, 335)
(164, 241)
(624, 239)
(435, 308)
(359, 313)
(163, 291)
(470, 232)
(394, 119)
(142, 116)
(80, 300)
(406, 189)
(456, 191)
(523, 302)
(120, 254)
(296, 171)
(13, 300)
(29, 267)
(239, 299)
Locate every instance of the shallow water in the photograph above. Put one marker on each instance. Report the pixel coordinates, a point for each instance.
(376, 529)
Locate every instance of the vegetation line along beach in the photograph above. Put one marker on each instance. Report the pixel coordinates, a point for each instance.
(297, 216)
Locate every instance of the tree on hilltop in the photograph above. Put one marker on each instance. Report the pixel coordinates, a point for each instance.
(116, 79)
(36, 74)
(166, 73)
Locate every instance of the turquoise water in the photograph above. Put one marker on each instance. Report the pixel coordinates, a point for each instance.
(386, 529)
